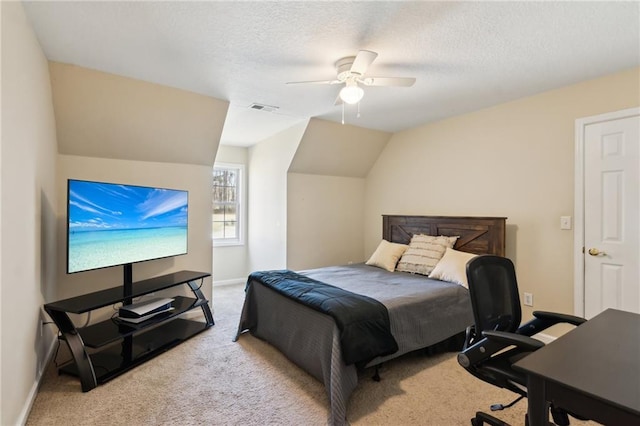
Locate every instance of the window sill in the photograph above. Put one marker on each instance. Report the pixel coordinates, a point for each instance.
(229, 243)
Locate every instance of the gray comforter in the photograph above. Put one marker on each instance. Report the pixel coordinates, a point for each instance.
(422, 312)
(365, 330)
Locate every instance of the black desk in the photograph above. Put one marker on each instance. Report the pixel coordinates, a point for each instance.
(593, 371)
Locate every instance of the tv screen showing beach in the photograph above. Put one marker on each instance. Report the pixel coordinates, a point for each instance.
(111, 224)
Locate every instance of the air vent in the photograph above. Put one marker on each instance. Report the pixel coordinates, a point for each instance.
(262, 107)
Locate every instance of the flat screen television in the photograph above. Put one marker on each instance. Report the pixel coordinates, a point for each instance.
(111, 224)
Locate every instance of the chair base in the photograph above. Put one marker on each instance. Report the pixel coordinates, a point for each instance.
(560, 418)
(483, 418)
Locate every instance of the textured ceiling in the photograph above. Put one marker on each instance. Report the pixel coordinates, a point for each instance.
(464, 55)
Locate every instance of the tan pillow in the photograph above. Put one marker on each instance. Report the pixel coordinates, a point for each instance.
(453, 267)
(423, 253)
(386, 255)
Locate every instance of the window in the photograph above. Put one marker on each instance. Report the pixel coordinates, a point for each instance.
(226, 211)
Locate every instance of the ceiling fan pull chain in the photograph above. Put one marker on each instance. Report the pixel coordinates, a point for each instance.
(343, 113)
(358, 114)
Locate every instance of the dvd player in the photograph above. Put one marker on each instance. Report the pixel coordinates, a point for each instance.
(146, 308)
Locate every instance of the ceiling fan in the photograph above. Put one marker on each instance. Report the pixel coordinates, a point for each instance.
(351, 72)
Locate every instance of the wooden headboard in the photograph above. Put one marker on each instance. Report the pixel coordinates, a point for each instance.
(478, 235)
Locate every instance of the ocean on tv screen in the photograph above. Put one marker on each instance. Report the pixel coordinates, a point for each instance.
(99, 249)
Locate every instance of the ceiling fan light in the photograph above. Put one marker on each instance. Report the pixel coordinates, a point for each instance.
(351, 93)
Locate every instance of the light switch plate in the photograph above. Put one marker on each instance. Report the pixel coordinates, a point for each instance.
(528, 299)
(565, 222)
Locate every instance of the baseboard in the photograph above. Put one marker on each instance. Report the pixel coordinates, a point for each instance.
(26, 409)
(234, 281)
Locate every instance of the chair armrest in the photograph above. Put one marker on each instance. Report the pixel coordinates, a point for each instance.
(543, 320)
(493, 342)
(557, 318)
(523, 342)
(480, 350)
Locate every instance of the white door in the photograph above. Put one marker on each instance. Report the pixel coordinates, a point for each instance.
(611, 253)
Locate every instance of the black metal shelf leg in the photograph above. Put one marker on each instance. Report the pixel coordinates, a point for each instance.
(205, 307)
(76, 347)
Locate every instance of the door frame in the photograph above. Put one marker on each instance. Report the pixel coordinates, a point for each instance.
(578, 210)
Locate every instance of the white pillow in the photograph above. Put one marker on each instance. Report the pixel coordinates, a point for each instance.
(386, 255)
(453, 267)
(423, 253)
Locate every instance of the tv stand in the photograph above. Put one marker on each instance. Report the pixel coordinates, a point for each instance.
(108, 348)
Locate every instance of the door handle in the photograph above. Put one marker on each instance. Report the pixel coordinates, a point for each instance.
(595, 252)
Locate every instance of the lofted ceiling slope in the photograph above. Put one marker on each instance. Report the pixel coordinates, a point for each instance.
(109, 116)
(464, 55)
(331, 149)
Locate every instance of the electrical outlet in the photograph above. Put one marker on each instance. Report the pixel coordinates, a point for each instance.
(528, 299)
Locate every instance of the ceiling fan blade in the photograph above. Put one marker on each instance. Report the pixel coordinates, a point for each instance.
(315, 82)
(363, 59)
(388, 81)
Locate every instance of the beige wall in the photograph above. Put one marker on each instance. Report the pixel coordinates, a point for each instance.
(109, 116)
(514, 160)
(230, 262)
(232, 154)
(28, 200)
(269, 161)
(325, 193)
(324, 225)
(117, 129)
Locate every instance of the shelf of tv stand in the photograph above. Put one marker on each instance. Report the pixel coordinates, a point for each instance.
(113, 329)
(111, 361)
(102, 298)
(108, 348)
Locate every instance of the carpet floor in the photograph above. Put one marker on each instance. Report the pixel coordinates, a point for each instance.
(210, 380)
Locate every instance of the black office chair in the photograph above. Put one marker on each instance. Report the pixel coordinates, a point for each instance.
(497, 340)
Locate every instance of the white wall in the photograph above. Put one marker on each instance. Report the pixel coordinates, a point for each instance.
(324, 220)
(28, 212)
(195, 179)
(514, 160)
(269, 161)
(230, 262)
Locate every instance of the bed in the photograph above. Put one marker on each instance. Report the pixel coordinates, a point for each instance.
(422, 312)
